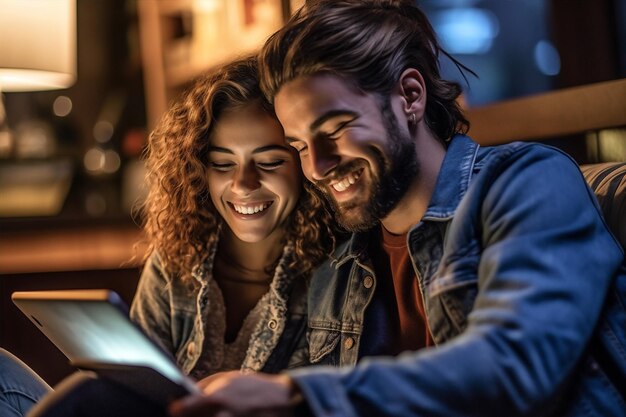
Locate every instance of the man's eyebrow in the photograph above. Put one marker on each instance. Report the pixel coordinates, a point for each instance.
(257, 150)
(330, 115)
(323, 119)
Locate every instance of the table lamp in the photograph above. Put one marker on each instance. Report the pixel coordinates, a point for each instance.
(37, 44)
(37, 52)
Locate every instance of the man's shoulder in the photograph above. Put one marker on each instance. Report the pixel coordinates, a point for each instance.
(517, 156)
(518, 149)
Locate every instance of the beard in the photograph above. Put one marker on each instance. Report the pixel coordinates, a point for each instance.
(390, 179)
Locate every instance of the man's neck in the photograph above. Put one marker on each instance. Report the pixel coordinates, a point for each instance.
(411, 208)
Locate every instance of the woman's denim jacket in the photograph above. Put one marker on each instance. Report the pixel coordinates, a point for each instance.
(523, 290)
(174, 313)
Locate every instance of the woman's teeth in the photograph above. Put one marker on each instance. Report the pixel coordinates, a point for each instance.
(347, 181)
(250, 209)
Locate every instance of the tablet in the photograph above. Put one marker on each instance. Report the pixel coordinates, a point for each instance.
(92, 328)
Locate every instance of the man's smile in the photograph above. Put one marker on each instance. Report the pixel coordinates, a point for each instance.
(347, 181)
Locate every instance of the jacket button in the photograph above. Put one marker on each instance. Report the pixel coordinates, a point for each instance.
(368, 282)
(349, 343)
(272, 324)
(191, 349)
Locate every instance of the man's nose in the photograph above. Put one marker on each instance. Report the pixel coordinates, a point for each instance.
(322, 160)
(246, 179)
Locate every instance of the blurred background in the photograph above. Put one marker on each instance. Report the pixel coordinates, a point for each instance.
(99, 74)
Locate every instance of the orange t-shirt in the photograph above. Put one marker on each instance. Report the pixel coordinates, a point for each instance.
(409, 325)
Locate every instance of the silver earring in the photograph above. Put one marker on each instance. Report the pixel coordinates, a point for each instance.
(412, 119)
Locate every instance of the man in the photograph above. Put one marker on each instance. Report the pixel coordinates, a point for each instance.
(490, 268)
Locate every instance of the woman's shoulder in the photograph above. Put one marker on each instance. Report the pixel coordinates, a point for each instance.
(156, 273)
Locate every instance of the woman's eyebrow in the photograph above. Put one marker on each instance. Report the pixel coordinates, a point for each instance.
(271, 148)
(257, 150)
(220, 149)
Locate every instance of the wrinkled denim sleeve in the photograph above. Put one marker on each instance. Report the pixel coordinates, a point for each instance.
(151, 306)
(545, 261)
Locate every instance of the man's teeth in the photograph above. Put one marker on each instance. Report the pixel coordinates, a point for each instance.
(346, 182)
(250, 209)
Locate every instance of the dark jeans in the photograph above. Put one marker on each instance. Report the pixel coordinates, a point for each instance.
(20, 387)
(83, 394)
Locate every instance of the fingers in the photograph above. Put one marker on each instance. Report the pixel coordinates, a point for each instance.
(196, 406)
(236, 395)
(216, 381)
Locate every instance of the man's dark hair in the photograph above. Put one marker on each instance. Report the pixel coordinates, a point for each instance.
(369, 43)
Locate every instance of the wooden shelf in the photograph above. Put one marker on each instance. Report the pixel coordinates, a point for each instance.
(181, 39)
(70, 250)
(557, 113)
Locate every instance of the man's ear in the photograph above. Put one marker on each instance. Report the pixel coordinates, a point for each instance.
(413, 93)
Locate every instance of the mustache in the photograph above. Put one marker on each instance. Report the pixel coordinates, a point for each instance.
(340, 172)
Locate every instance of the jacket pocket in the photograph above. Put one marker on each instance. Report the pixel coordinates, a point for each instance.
(450, 302)
(321, 343)
(453, 274)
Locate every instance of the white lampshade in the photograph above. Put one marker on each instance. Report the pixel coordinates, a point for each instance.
(37, 44)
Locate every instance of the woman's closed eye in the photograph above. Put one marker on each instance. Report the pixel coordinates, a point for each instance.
(266, 166)
(271, 165)
(222, 166)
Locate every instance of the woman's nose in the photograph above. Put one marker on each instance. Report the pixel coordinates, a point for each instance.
(246, 179)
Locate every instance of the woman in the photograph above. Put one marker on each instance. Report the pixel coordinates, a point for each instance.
(233, 232)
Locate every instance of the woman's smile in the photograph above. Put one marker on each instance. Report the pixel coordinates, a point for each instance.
(250, 211)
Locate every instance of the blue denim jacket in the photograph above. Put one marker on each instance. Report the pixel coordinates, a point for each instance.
(515, 264)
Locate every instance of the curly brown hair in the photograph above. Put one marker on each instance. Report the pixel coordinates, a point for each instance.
(180, 221)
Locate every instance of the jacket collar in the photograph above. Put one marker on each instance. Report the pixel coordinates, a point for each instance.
(453, 179)
(452, 184)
